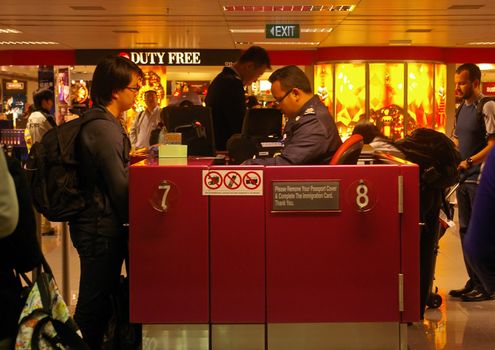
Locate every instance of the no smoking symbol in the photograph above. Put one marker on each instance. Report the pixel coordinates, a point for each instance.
(232, 180)
(251, 180)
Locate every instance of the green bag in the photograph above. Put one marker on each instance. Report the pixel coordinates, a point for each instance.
(45, 322)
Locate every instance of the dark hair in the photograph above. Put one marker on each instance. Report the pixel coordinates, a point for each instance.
(150, 91)
(291, 77)
(474, 71)
(112, 74)
(257, 55)
(41, 95)
(368, 131)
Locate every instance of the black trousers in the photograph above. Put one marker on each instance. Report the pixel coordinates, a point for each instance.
(101, 261)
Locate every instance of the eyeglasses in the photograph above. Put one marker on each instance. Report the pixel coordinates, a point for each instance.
(279, 101)
(134, 89)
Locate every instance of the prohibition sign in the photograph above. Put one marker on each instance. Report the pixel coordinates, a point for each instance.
(232, 180)
(251, 180)
(213, 180)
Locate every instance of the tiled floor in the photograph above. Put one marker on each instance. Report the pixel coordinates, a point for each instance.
(454, 326)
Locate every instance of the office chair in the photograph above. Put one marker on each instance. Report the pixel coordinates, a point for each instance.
(349, 151)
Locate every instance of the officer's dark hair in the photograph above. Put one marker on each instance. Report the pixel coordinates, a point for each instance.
(150, 92)
(291, 77)
(42, 95)
(474, 71)
(113, 73)
(257, 55)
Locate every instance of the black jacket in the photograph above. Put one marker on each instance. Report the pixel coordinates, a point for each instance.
(226, 99)
(103, 152)
(309, 138)
(20, 250)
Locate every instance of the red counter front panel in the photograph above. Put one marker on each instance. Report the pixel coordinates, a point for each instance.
(338, 266)
(237, 229)
(169, 250)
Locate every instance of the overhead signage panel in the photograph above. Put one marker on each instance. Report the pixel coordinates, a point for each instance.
(282, 31)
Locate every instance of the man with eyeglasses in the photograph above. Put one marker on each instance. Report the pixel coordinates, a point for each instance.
(146, 121)
(226, 96)
(99, 232)
(310, 135)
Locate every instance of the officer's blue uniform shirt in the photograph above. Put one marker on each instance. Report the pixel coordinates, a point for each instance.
(309, 138)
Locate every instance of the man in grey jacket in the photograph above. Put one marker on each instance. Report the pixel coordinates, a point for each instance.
(99, 233)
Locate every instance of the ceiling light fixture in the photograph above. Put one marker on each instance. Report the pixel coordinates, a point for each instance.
(9, 31)
(311, 43)
(465, 7)
(124, 31)
(417, 30)
(87, 8)
(481, 43)
(28, 43)
(400, 42)
(288, 8)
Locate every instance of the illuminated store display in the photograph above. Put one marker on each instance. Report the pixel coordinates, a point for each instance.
(397, 97)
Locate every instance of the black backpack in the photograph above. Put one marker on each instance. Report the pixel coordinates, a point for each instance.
(435, 154)
(52, 170)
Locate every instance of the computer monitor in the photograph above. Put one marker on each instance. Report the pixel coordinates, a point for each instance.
(196, 126)
(262, 122)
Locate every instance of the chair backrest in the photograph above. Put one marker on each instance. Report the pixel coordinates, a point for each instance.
(349, 151)
(196, 126)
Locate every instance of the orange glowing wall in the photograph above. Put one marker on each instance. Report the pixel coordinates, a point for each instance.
(440, 119)
(420, 95)
(378, 92)
(350, 96)
(386, 101)
(324, 84)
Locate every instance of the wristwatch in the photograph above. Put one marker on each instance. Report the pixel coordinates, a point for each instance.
(469, 161)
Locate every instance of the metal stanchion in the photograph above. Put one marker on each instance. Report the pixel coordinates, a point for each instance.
(65, 264)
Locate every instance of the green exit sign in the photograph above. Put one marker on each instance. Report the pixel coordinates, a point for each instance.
(282, 31)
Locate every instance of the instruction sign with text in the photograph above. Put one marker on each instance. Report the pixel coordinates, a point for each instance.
(232, 182)
(306, 195)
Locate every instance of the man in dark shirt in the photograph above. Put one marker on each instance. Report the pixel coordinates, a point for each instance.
(99, 233)
(310, 135)
(226, 97)
(475, 137)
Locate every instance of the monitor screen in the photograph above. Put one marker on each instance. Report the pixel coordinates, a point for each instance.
(196, 126)
(262, 122)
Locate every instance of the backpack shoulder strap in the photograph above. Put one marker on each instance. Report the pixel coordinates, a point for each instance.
(457, 111)
(49, 118)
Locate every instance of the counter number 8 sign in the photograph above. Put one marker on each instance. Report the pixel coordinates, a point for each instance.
(362, 198)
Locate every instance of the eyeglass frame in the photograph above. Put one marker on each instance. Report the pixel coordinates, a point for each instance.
(279, 101)
(134, 89)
